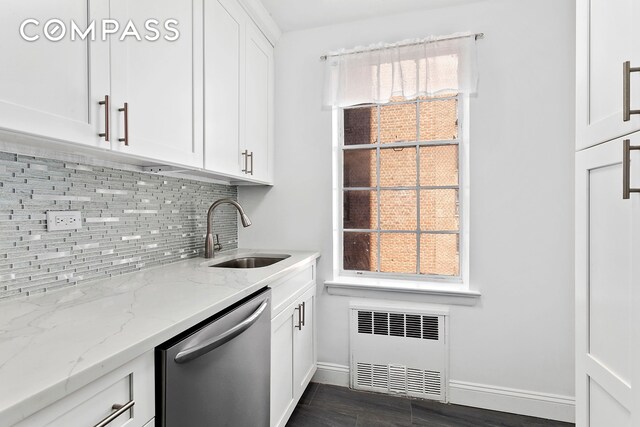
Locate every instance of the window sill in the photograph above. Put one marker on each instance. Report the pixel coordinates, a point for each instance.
(415, 291)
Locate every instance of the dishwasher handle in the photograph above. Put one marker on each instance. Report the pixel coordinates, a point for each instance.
(194, 352)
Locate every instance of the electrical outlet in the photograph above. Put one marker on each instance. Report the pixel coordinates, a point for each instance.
(63, 220)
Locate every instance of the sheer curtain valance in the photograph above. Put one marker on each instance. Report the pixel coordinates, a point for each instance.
(407, 69)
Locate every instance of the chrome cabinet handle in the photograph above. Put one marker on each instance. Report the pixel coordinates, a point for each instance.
(117, 411)
(105, 134)
(245, 154)
(626, 169)
(304, 313)
(300, 321)
(125, 110)
(627, 69)
(194, 352)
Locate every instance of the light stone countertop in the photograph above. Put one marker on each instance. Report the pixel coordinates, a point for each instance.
(56, 343)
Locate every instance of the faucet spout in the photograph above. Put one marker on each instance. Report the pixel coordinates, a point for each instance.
(209, 248)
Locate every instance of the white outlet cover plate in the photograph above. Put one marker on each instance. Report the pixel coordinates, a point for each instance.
(63, 220)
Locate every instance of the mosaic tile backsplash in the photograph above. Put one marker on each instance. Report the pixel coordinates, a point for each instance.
(130, 221)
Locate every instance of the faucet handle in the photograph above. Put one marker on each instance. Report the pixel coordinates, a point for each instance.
(217, 246)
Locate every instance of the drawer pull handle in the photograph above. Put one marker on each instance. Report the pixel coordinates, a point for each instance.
(304, 313)
(117, 411)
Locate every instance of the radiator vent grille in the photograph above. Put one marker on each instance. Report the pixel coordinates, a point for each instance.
(399, 352)
(398, 325)
(398, 379)
(365, 324)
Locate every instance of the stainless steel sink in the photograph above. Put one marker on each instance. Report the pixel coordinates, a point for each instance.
(251, 261)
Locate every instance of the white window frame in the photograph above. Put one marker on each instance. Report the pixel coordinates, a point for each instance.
(460, 282)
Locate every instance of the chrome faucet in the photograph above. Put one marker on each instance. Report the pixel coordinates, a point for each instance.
(209, 250)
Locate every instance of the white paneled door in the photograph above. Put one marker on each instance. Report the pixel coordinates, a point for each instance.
(50, 87)
(607, 286)
(283, 384)
(607, 37)
(304, 343)
(159, 81)
(258, 103)
(224, 32)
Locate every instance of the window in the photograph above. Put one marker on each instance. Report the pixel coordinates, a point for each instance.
(400, 189)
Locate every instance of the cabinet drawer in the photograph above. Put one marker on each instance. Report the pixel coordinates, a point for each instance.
(133, 382)
(284, 292)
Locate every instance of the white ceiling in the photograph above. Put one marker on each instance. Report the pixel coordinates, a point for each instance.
(291, 15)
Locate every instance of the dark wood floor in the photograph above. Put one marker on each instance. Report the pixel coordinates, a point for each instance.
(331, 406)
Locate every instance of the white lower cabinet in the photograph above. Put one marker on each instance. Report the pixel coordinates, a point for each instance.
(128, 390)
(607, 278)
(293, 349)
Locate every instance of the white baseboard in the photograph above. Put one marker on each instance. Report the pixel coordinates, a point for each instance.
(523, 402)
(332, 373)
(542, 405)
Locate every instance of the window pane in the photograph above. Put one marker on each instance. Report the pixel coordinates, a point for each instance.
(439, 210)
(398, 123)
(439, 120)
(398, 167)
(439, 254)
(360, 210)
(398, 210)
(398, 253)
(439, 165)
(360, 125)
(360, 251)
(360, 168)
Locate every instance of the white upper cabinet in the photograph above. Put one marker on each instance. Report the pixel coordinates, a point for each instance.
(607, 37)
(171, 82)
(159, 81)
(53, 88)
(224, 35)
(238, 84)
(258, 104)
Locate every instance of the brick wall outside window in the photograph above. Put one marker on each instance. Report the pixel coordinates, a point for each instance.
(400, 159)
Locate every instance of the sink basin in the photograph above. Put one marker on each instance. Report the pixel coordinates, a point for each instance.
(251, 261)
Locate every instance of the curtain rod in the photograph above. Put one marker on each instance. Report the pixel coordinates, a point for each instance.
(477, 36)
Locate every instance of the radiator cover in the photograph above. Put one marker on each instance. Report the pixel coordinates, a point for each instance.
(399, 351)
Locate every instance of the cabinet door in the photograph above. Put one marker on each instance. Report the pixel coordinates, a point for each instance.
(258, 104)
(283, 398)
(224, 33)
(304, 344)
(161, 82)
(48, 88)
(607, 36)
(607, 292)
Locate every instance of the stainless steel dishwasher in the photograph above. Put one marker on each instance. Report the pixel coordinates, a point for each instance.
(218, 372)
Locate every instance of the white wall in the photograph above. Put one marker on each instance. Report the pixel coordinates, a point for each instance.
(520, 335)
